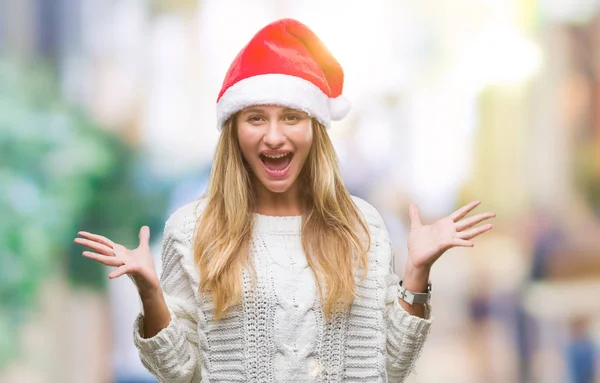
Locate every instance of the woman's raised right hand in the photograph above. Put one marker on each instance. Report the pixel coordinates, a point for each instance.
(138, 263)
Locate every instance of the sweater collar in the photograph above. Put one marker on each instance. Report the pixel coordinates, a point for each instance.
(278, 224)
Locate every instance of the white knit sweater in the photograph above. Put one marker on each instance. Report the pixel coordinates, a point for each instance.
(279, 333)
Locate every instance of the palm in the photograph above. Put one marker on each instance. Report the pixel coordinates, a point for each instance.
(427, 243)
(139, 264)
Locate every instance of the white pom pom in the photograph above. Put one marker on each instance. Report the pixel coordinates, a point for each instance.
(339, 107)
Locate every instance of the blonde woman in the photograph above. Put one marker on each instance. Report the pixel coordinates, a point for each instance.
(277, 274)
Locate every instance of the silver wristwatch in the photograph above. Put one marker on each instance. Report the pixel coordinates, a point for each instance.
(411, 297)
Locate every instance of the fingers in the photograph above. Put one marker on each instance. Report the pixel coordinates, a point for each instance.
(105, 260)
(474, 220)
(462, 243)
(458, 214)
(106, 249)
(98, 247)
(118, 272)
(145, 236)
(472, 233)
(415, 218)
(97, 238)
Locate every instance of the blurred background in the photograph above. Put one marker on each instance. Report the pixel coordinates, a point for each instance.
(107, 123)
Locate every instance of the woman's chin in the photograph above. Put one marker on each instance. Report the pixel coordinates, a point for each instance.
(278, 186)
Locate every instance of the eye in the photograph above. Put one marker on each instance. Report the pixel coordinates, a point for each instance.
(292, 118)
(255, 119)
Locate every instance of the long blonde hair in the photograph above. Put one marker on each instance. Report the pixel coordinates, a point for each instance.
(335, 237)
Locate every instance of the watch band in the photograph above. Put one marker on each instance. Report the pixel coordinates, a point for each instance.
(412, 297)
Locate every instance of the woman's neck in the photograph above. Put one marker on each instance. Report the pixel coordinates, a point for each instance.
(277, 204)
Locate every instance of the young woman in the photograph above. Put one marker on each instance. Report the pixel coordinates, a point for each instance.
(277, 274)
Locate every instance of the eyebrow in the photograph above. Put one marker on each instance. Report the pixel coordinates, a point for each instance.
(253, 110)
(260, 110)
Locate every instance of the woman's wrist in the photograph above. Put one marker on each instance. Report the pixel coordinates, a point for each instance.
(151, 295)
(416, 278)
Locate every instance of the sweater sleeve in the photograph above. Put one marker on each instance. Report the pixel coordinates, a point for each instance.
(172, 355)
(406, 333)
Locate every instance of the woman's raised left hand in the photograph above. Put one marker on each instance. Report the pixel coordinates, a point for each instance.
(427, 243)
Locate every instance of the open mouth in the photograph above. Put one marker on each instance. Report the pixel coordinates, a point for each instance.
(276, 163)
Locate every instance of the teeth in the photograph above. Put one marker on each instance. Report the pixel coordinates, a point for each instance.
(275, 155)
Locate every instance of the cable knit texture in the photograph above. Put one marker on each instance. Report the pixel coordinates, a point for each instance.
(279, 333)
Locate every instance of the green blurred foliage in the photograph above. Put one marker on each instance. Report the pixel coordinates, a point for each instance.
(60, 173)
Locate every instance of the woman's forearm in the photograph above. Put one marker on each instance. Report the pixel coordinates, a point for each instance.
(156, 313)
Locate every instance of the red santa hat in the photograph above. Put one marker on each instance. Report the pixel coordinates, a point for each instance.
(285, 64)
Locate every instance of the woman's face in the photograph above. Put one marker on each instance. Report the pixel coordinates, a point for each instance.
(275, 142)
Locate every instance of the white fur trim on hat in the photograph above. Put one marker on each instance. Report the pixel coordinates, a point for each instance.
(280, 89)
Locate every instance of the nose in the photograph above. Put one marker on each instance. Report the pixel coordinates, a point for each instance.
(274, 135)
